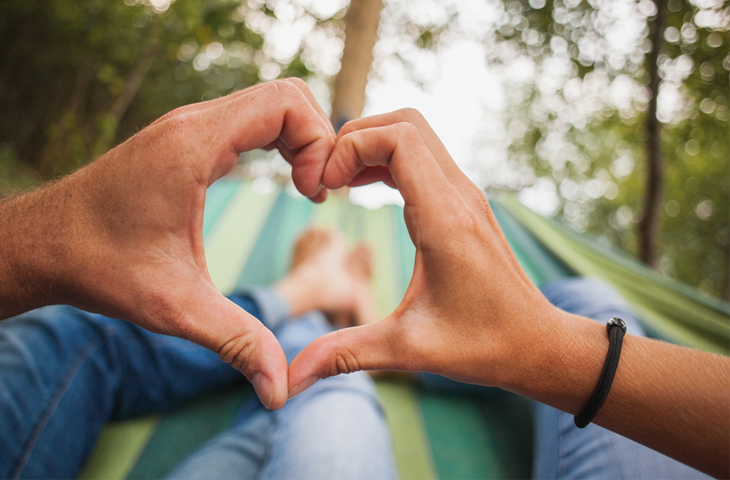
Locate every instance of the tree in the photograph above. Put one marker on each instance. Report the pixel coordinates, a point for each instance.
(361, 29)
(585, 129)
(78, 77)
(648, 227)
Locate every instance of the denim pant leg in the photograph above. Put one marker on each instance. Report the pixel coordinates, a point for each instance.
(65, 372)
(335, 429)
(563, 450)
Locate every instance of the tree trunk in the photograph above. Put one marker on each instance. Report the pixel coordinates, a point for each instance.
(361, 32)
(649, 224)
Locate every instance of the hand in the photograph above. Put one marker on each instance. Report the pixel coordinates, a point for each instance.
(469, 308)
(470, 312)
(123, 236)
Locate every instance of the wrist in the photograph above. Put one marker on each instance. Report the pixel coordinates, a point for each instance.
(33, 250)
(563, 362)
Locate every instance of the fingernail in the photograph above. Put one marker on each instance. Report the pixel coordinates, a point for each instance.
(308, 382)
(264, 389)
(319, 189)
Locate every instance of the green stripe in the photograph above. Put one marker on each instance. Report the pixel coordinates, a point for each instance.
(269, 259)
(230, 242)
(486, 436)
(537, 262)
(294, 219)
(410, 442)
(118, 447)
(378, 232)
(216, 200)
(258, 269)
(406, 253)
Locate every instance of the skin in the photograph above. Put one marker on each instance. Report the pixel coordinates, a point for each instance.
(470, 312)
(123, 236)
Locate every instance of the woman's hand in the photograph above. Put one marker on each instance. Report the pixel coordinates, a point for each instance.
(469, 308)
(470, 312)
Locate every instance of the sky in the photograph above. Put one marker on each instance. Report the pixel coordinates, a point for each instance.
(454, 103)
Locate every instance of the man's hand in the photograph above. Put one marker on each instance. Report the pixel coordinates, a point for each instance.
(468, 299)
(123, 236)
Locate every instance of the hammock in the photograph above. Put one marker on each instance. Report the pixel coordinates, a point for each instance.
(435, 434)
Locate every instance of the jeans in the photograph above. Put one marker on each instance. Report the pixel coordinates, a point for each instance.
(64, 373)
(565, 451)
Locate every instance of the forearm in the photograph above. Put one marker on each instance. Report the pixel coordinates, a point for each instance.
(32, 249)
(673, 399)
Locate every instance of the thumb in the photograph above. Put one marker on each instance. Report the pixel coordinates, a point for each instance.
(243, 341)
(370, 347)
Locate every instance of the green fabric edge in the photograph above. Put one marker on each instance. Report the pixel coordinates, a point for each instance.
(674, 310)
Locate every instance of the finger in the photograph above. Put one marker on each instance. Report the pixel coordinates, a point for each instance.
(320, 197)
(241, 340)
(371, 347)
(277, 110)
(289, 155)
(432, 141)
(373, 175)
(200, 106)
(302, 85)
(399, 147)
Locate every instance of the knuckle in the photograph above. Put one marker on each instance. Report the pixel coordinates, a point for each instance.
(174, 113)
(178, 126)
(465, 218)
(411, 115)
(283, 87)
(239, 352)
(344, 361)
(298, 82)
(407, 131)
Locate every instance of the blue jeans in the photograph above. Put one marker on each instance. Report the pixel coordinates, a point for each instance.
(64, 373)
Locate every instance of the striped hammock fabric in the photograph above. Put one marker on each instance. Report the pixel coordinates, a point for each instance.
(487, 434)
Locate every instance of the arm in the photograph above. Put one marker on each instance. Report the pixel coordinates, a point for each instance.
(471, 313)
(123, 236)
(28, 246)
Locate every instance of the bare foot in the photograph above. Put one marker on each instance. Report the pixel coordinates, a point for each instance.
(360, 267)
(318, 278)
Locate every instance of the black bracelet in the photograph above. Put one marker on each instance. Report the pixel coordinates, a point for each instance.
(616, 329)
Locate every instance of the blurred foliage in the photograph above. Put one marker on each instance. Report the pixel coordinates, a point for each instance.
(79, 76)
(582, 131)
